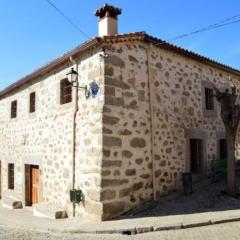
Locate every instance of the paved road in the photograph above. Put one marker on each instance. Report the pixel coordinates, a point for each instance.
(207, 197)
(227, 231)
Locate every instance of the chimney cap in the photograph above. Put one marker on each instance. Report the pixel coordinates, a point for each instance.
(108, 10)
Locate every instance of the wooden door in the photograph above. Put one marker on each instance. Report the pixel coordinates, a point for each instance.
(34, 174)
(196, 155)
(32, 186)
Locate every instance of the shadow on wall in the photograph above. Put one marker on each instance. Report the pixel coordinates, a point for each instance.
(206, 197)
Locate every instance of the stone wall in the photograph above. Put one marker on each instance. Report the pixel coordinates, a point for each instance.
(177, 86)
(132, 140)
(45, 138)
(89, 140)
(153, 106)
(127, 162)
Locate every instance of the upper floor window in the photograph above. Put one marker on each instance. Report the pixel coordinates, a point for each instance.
(14, 109)
(209, 99)
(65, 91)
(32, 102)
(11, 176)
(209, 106)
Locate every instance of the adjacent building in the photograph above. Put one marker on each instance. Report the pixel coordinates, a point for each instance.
(153, 118)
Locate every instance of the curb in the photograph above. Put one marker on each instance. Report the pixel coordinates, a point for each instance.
(164, 227)
(137, 230)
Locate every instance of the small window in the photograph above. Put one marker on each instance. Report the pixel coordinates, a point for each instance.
(14, 109)
(65, 91)
(223, 149)
(32, 102)
(11, 176)
(209, 100)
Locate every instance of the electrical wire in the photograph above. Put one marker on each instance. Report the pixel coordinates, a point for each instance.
(67, 18)
(222, 23)
(219, 24)
(202, 30)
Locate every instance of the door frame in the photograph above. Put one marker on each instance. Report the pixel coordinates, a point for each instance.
(196, 134)
(29, 182)
(37, 161)
(199, 163)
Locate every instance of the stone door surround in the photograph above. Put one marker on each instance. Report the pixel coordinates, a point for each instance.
(196, 134)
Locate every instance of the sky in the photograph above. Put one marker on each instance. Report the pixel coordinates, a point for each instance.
(33, 33)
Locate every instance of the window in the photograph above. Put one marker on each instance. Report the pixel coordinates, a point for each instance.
(14, 109)
(223, 149)
(209, 99)
(209, 108)
(65, 91)
(32, 102)
(10, 176)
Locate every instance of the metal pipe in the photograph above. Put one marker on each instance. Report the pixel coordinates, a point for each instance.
(151, 122)
(74, 134)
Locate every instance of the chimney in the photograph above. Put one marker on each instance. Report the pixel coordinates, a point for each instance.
(108, 20)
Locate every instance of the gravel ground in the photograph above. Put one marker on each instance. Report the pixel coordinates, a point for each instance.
(21, 234)
(206, 196)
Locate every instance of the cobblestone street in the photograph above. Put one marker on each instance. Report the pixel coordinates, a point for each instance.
(228, 231)
(206, 197)
(207, 205)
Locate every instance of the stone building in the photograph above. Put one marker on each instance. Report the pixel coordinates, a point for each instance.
(153, 119)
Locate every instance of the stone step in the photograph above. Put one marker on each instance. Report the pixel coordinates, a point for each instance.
(11, 203)
(46, 210)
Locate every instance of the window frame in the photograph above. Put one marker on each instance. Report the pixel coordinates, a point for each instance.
(208, 112)
(66, 92)
(14, 109)
(222, 148)
(11, 177)
(32, 102)
(209, 99)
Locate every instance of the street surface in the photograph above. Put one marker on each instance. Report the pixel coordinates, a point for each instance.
(227, 231)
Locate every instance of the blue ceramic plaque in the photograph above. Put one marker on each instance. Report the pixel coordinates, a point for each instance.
(94, 88)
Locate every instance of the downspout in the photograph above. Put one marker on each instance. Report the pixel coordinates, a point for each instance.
(151, 122)
(74, 135)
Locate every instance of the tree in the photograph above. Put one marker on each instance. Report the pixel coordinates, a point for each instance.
(230, 114)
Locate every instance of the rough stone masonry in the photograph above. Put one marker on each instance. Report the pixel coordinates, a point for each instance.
(132, 140)
(154, 104)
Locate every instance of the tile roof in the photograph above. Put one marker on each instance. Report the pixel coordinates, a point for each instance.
(135, 36)
(171, 47)
(50, 66)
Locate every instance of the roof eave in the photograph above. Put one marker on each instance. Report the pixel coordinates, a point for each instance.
(136, 36)
(53, 64)
(193, 55)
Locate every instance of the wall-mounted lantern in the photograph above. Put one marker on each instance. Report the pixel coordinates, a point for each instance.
(72, 76)
(73, 79)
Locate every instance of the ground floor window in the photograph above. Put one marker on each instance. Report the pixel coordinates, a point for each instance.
(11, 176)
(223, 149)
